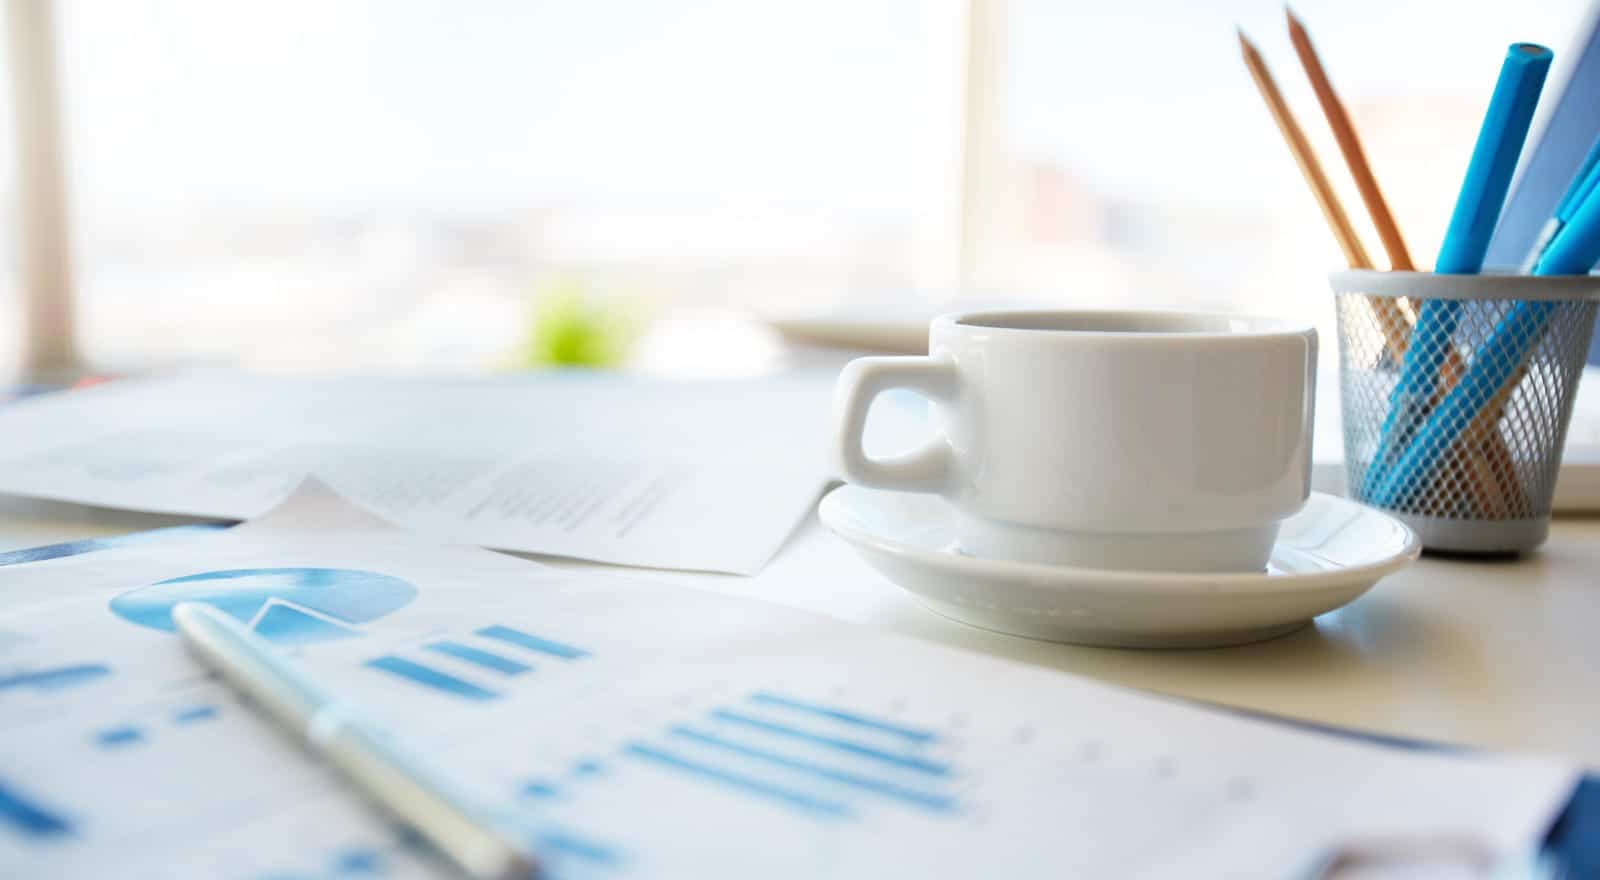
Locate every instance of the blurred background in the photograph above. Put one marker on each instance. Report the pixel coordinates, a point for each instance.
(363, 185)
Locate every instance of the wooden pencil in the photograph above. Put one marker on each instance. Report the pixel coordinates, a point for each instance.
(1310, 168)
(1355, 157)
(1490, 499)
(1488, 495)
(1391, 319)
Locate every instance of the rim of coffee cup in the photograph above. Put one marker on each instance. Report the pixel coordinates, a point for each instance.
(1227, 325)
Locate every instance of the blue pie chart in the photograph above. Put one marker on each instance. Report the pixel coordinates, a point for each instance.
(286, 605)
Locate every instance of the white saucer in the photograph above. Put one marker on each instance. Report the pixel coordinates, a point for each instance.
(1327, 554)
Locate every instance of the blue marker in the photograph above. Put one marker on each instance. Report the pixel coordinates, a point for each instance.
(1494, 159)
(1573, 252)
(1483, 193)
(1581, 183)
(1577, 248)
(1583, 180)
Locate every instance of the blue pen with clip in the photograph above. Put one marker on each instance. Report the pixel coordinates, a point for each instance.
(1573, 252)
(1582, 182)
(1483, 193)
(480, 843)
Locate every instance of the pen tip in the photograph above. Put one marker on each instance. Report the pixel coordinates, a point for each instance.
(1244, 41)
(1294, 20)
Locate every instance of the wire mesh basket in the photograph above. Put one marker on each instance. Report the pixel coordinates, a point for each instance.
(1455, 393)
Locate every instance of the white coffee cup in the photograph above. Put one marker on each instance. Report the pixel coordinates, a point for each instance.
(1147, 440)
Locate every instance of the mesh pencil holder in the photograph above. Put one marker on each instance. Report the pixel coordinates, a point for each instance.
(1455, 392)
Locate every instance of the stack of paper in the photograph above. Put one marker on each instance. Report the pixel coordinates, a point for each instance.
(647, 731)
(709, 476)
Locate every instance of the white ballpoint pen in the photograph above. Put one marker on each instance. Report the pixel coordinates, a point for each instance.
(470, 836)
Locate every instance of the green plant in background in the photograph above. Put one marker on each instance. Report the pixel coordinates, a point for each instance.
(573, 328)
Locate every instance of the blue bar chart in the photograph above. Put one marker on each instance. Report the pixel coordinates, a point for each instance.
(125, 735)
(476, 666)
(827, 763)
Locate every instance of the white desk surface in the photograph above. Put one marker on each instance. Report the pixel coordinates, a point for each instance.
(1498, 654)
(1503, 655)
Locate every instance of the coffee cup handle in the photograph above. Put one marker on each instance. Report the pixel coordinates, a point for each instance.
(928, 469)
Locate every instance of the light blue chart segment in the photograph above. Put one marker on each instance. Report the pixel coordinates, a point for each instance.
(58, 678)
(854, 748)
(740, 781)
(29, 817)
(576, 846)
(119, 737)
(479, 657)
(913, 734)
(195, 714)
(925, 799)
(290, 606)
(531, 642)
(429, 677)
(359, 861)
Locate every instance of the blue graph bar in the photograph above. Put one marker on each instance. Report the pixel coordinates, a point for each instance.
(117, 737)
(479, 657)
(574, 845)
(429, 677)
(925, 799)
(748, 784)
(540, 789)
(359, 861)
(28, 817)
(910, 733)
(192, 714)
(909, 762)
(532, 642)
(55, 679)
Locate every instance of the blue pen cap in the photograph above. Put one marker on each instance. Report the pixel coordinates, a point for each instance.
(1576, 247)
(1494, 159)
(1583, 180)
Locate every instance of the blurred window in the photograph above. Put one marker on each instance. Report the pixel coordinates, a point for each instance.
(1143, 168)
(388, 182)
(315, 183)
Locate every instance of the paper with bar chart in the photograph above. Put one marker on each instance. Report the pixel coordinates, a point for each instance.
(642, 730)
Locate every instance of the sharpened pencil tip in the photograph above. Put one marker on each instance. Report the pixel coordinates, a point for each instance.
(1298, 35)
(1244, 41)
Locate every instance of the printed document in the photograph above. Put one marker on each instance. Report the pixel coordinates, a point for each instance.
(707, 476)
(642, 730)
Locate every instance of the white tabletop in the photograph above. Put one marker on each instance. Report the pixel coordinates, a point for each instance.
(1498, 654)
